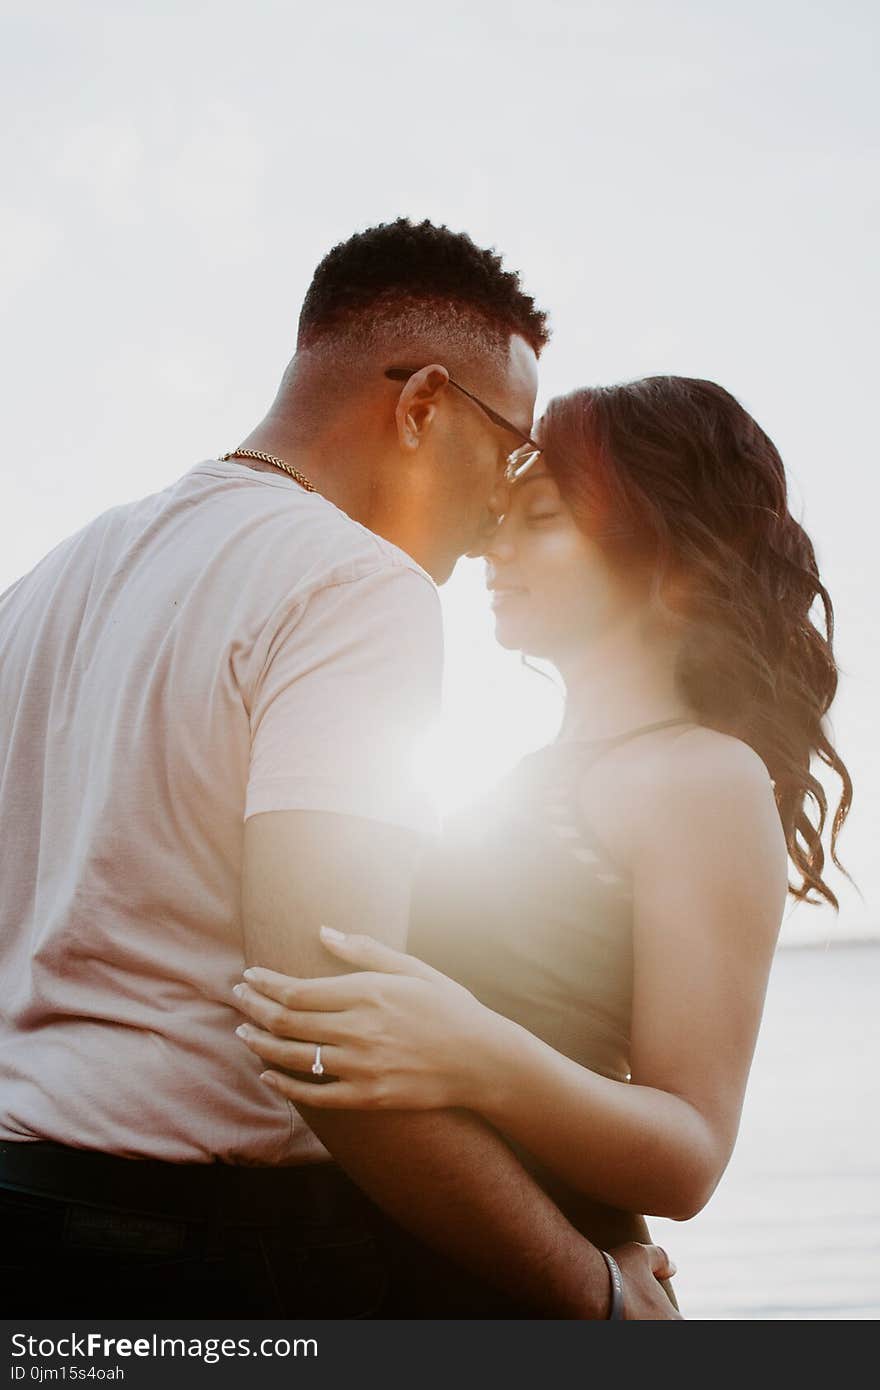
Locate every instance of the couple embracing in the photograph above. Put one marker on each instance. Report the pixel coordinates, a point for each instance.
(272, 1046)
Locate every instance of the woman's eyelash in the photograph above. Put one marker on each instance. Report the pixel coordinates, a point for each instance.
(542, 516)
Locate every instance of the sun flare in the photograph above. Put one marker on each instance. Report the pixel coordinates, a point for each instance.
(495, 710)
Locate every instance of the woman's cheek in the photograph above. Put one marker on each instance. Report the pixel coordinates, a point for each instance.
(577, 594)
(535, 622)
(561, 570)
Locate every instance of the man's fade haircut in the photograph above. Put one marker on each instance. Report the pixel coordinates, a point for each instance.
(416, 282)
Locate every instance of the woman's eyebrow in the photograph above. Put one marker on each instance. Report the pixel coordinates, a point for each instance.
(534, 478)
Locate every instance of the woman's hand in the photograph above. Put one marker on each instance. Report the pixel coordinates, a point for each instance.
(394, 1035)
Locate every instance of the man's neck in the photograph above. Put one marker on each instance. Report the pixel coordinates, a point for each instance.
(347, 489)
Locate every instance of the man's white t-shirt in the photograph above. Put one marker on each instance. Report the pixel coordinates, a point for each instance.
(228, 646)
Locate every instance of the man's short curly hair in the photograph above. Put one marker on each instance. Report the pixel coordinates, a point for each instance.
(415, 272)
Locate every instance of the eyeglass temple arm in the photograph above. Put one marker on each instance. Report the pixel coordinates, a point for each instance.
(404, 374)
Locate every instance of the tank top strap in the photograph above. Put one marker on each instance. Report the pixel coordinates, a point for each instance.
(546, 784)
(594, 749)
(559, 794)
(617, 739)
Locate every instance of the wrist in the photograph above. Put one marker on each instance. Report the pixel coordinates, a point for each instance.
(589, 1296)
(502, 1068)
(616, 1306)
(486, 1055)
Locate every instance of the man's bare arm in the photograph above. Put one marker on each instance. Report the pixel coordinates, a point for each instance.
(443, 1175)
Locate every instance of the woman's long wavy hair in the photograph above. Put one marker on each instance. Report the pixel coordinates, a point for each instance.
(677, 483)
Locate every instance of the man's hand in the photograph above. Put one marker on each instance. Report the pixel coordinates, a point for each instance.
(642, 1268)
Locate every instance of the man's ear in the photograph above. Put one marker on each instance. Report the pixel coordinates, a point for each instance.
(417, 405)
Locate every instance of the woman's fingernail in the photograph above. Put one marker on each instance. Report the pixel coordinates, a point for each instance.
(267, 1077)
(238, 990)
(242, 1030)
(331, 934)
(249, 974)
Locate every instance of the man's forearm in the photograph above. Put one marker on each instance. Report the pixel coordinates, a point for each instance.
(443, 1175)
(451, 1181)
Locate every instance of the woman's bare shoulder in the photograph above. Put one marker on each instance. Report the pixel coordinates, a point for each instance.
(712, 791)
(700, 758)
(680, 782)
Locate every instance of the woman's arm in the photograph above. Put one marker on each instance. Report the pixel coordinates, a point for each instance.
(710, 880)
(709, 887)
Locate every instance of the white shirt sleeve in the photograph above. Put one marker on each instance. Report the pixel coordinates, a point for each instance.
(351, 683)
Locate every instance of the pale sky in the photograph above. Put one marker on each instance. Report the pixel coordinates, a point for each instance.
(688, 187)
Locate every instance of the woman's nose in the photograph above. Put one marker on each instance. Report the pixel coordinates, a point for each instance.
(493, 544)
(499, 546)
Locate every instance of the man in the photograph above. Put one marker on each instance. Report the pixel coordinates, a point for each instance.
(208, 700)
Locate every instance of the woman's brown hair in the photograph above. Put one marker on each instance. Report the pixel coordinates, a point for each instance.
(676, 481)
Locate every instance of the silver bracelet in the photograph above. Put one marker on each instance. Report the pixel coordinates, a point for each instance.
(616, 1309)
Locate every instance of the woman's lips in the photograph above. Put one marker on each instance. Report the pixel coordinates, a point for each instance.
(502, 594)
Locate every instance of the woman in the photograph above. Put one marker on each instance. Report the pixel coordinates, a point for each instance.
(591, 947)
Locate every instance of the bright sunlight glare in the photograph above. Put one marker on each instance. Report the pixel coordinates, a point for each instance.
(495, 709)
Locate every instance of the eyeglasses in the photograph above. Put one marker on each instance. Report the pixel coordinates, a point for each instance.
(521, 460)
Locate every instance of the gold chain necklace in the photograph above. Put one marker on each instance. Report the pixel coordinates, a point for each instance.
(288, 468)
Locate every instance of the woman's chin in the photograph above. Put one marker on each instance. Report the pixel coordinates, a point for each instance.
(520, 637)
(508, 634)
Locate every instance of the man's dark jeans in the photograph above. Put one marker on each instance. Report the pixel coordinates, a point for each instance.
(292, 1243)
